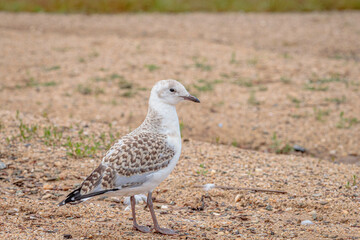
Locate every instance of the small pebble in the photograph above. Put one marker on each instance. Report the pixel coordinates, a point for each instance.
(323, 202)
(317, 195)
(115, 199)
(269, 207)
(2, 165)
(332, 152)
(238, 198)
(47, 196)
(67, 236)
(48, 187)
(313, 215)
(307, 222)
(298, 148)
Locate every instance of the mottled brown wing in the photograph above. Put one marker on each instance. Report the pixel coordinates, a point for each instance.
(140, 153)
(133, 155)
(102, 176)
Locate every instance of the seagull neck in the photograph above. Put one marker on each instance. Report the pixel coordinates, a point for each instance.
(162, 117)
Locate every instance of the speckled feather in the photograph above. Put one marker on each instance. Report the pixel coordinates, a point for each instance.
(141, 151)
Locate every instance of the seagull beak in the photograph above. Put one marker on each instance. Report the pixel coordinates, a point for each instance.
(191, 98)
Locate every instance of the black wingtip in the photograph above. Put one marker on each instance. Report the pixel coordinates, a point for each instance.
(74, 196)
(62, 203)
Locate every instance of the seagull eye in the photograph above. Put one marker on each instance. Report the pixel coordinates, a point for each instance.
(172, 90)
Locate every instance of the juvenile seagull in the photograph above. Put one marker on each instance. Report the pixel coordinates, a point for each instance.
(142, 159)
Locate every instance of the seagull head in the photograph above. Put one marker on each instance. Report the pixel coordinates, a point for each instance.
(171, 92)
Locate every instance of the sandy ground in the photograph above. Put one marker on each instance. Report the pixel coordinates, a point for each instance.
(265, 81)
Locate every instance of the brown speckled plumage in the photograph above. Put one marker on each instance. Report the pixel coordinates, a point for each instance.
(142, 151)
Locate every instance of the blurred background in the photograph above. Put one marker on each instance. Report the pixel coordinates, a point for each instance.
(274, 82)
(116, 6)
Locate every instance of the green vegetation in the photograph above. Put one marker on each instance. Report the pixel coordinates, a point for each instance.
(331, 79)
(128, 94)
(233, 58)
(152, 67)
(252, 99)
(346, 122)
(262, 88)
(295, 100)
(354, 180)
(32, 82)
(315, 87)
(87, 90)
(320, 113)
(114, 6)
(205, 85)
(48, 69)
(227, 76)
(93, 54)
(297, 116)
(348, 185)
(85, 145)
(48, 84)
(108, 143)
(285, 80)
(201, 64)
(78, 146)
(322, 83)
(278, 147)
(336, 100)
(84, 90)
(243, 82)
(182, 125)
(287, 56)
(202, 170)
(52, 136)
(80, 149)
(129, 88)
(252, 61)
(26, 131)
(124, 84)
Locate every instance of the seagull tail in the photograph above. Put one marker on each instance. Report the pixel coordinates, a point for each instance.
(75, 196)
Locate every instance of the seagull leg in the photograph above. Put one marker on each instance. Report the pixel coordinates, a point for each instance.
(156, 224)
(143, 229)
